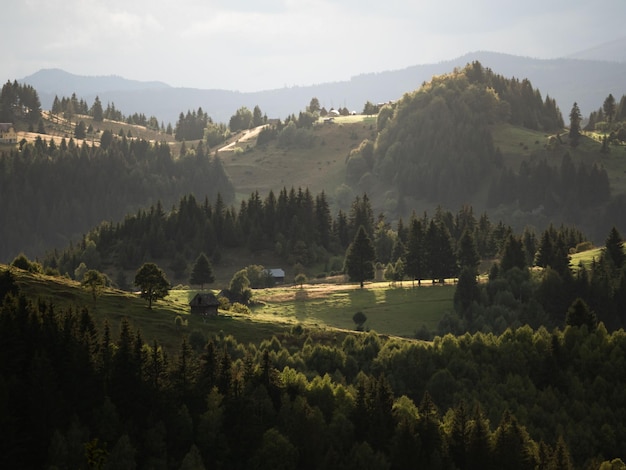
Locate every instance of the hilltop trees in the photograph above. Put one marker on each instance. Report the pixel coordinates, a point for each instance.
(152, 283)
(19, 101)
(191, 126)
(241, 120)
(258, 119)
(458, 108)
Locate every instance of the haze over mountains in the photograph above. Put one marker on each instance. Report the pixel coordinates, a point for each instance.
(586, 77)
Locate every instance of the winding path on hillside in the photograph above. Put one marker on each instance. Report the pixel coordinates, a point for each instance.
(246, 136)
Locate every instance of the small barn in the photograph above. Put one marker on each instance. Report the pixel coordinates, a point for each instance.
(277, 274)
(204, 305)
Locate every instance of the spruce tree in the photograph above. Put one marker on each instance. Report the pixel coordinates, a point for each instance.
(202, 272)
(614, 249)
(415, 252)
(468, 256)
(513, 254)
(96, 110)
(440, 257)
(360, 257)
(574, 125)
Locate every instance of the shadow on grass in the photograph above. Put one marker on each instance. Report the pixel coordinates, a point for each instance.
(300, 305)
(362, 299)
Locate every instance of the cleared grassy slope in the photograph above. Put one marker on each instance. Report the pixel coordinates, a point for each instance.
(397, 311)
(321, 167)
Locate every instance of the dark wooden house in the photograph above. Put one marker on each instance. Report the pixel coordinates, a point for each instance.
(204, 304)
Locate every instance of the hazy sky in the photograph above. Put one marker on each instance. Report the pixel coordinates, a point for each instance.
(250, 45)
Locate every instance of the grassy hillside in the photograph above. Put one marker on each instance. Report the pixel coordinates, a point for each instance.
(321, 167)
(396, 311)
(518, 144)
(158, 323)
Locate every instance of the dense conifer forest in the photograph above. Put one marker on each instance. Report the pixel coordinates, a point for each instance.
(54, 193)
(78, 394)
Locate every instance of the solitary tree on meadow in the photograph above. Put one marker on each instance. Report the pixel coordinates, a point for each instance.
(360, 257)
(152, 283)
(359, 320)
(300, 279)
(94, 281)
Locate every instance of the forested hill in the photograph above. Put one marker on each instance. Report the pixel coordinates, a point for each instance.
(436, 143)
(53, 193)
(442, 144)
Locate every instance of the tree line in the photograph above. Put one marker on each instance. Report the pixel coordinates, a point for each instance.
(83, 395)
(295, 225)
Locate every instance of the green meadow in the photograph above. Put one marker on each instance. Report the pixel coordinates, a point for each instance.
(585, 257)
(399, 310)
(390, 310)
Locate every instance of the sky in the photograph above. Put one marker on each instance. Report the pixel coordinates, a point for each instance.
(252, 45)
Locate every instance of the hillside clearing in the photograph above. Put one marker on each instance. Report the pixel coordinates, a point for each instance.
(394, 310)
(397, 311)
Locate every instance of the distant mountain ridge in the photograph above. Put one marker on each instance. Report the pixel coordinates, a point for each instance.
(612, 51)
(65, 83)
(567, 80)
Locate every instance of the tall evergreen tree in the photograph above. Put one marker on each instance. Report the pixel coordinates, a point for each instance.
(579, 314)
(360, 257)
(361, 214)
(545, 254)
(614, 249)
(202, 271)
(468, 253)
(575, 119)
(478, 445)
(609, 108)
(440, 257)
(96, 110)
(512, 254)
